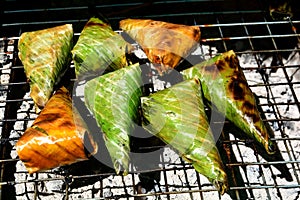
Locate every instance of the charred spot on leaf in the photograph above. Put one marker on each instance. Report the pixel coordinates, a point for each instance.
(65, 98)
(254, 118)
(249, 109)
(220, 64)
(240, 76)
(153, 23)
(210, 68)
(156, 59)
(263, 133)
(232, 61)
(197, 81)
(67, 123)
(237, 91)
(227, 59)
(50, 117)
(196, 32)
(94, 24)
(248, 106)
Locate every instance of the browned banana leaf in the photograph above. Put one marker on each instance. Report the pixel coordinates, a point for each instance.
(176, 115)
(45, 55)
(165, 44)
(99, 49)
(225, 86)
(56, 137)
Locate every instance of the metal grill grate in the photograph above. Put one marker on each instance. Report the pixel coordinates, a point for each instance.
(269, 56)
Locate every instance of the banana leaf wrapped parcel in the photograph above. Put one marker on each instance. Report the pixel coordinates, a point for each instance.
(176, 115)
(165, 44)
(113, 99)
(99, 49)
(225, 86)
(45, 55)
(57, 137)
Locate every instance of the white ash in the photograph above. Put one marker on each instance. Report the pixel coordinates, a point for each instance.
(4, 79)
(282, 94)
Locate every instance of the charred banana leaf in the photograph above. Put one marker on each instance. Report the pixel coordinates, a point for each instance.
(114, 98)
(277, 156)
(45, 55)
(165, 44)
(176, 115)
(225, 86)
(56, 137)
(99, 49)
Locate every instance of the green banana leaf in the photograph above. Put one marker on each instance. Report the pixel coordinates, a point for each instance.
(114, 98)
(99, 49)
(176, 115)
(225, 86)
(45, 55)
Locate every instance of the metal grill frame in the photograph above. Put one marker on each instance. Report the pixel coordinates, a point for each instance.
(267, 184)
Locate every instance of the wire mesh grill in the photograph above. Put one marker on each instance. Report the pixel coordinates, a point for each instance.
(269, 57)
